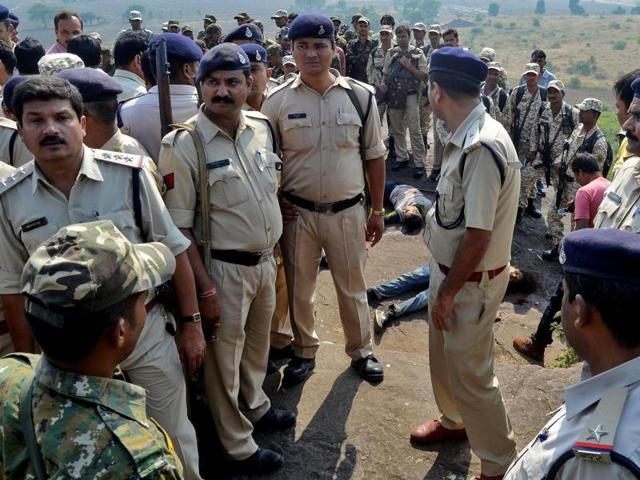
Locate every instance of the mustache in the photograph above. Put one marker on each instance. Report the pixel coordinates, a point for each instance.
(228, 100)
(631, 136)
(52, 140)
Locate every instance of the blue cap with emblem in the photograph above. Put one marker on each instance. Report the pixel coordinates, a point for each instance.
(608, 254)
(178, 46)
(248, 31)
(460, 62)
(94, 85)
(311, 25)
(9, 87)
(635, 86)
(255, 52)
(4, 13)
(14, 20)
(226, 56)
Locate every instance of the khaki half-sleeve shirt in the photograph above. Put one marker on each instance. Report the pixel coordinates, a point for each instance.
(319, 138)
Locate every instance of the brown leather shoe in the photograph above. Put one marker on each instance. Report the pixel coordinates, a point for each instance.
(432, 431)
(484, 477)
(530, 348)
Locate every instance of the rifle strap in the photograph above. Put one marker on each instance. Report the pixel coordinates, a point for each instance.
(363, 119)
(203, 178)
(12, 144)
(28, 428)
(137, 204)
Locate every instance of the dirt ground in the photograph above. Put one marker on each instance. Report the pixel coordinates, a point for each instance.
(348, 429)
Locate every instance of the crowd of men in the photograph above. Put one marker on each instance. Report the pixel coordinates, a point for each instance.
(163, 221)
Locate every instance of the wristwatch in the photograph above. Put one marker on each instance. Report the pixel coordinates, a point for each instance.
(377, 213)
(195, 318)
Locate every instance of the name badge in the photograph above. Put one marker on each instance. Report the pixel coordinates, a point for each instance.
(32, 225)
(218, 164)
(617, 199)
(261, 160)
(293, 116)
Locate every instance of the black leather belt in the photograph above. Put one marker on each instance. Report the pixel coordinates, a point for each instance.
(323, 207)
(248, 259)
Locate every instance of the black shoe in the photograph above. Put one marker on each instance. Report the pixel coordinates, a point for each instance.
(281, 353)
(272, 367)
(418, 172)
(435, 175)
(261, 462)
(275, 419)
(369, 369)
(372, 298)
(519, 215)
(551, 255)
(532, 210)
(399, 165)
(297, 371)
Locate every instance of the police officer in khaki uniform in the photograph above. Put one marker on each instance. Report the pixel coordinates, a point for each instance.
(6, 346)
(71, 183)
(323, 179)
(245, 223)
(469, 235)
(12, 149)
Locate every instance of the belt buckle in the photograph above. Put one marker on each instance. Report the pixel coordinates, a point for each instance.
(266, 255)
(323, 207)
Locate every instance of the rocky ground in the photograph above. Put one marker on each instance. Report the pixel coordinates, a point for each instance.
(348, 429)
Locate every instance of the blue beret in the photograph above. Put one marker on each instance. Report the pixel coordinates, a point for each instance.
(635, 86)
(255, 52)
(94, 85)
(608, 254)
(4, 13)
(311, 25)
(248, 31)
(178, 46)
(14, 20)
(460, 62)
(226, 56)
(9, 87)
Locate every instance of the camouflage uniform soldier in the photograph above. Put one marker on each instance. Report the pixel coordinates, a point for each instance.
(526, 102)
(500, 106)
(587, 137)
(376, 63)
(85, 304)
(358, 52)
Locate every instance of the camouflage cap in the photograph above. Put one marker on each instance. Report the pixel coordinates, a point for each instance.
(590, 104)
(435, 27)
(53, 63)
(531, 68)
(494, 66)
(488, 54)
(419, 26)
(91, 266)
(173, 23)
(288, 59)
(386, 28)
(280, 14)
(241, 16)
(557, 84)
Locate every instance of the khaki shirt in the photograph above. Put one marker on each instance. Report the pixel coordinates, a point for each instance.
(5, 170)
(319, 139)
(132, 85)
(244, 211)
(620, 207)
(102, 191)
(16, 155)
(487, 204)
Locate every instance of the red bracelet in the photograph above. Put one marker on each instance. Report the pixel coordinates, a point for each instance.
(208, 294)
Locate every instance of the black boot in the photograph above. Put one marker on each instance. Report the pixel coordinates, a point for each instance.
(532, 210)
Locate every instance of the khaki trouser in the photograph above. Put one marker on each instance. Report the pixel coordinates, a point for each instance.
(399, 120)
(155, 365)
(6, 347)
(342, 236)
(529, 176)
(461, 363)
(236, 364)
(281, 334)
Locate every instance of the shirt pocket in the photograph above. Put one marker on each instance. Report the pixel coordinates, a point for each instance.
(32, 239)
(609, 207)
(125, 222)
(348, 130)
(227, 189)
(445, 203)
(296, 134)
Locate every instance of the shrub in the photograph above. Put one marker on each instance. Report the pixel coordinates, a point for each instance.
(620, 45)
(536, 22)
(575, 83)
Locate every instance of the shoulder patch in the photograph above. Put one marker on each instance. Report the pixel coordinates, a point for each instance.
(6, 123)
(255, 114)
(16, 177)
(126, 159)
(282, 87)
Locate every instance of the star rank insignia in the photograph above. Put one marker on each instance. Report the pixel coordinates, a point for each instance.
(597, 432)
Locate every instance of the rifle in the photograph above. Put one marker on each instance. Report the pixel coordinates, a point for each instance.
(545, 152)
(562, 176)
(164, 92)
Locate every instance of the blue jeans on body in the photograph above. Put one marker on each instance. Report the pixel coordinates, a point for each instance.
(417, 279)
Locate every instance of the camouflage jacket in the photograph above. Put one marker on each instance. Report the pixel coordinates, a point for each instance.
(578, 138)
(526, 114)
(557, 130)
(503, 116)
(357, 58)
(86, 427)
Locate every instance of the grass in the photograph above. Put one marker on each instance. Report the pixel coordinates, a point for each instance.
(608, 123)
(569, 357)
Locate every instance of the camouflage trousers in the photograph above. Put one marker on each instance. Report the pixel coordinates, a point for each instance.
(554, 220)
(529, 176)
(425, 116)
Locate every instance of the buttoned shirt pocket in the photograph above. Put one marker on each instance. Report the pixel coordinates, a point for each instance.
(448, 210)
(227, 188)
(296, 134)
(33, 237)
(348, 129)
(610, 205)
(267, 162)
